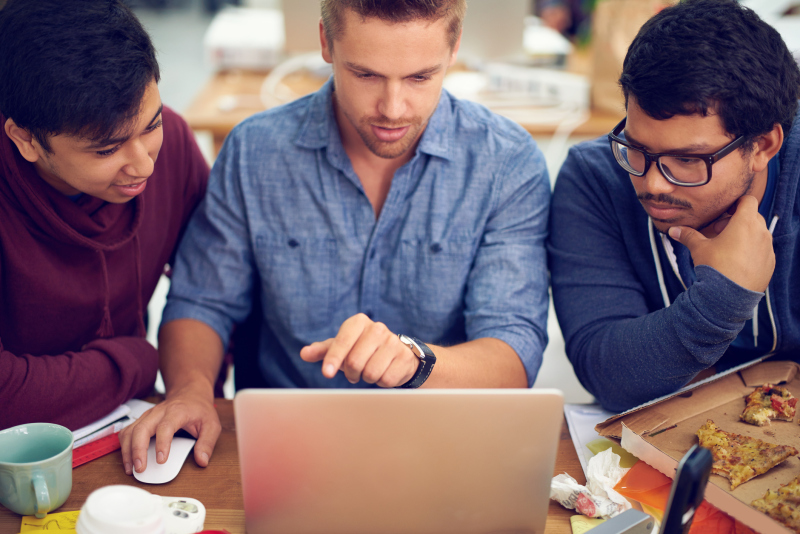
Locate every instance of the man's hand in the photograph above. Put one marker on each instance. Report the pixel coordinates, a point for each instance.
(364, 350)
(742, 249)
(189, 409)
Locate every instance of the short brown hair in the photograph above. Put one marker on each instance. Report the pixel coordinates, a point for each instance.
(395, 11)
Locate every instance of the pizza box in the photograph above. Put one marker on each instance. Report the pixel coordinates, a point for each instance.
(721, 399)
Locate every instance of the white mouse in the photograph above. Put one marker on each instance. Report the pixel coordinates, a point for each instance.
(156, 473)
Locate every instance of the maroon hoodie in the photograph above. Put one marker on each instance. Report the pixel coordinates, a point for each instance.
(75, 280)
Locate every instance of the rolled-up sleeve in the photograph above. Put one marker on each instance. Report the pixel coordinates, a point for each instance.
(213, 271)
(507, 295)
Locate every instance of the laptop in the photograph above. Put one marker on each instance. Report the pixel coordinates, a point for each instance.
(423, 461)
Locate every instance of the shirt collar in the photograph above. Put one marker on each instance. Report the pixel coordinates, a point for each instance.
(316, 130)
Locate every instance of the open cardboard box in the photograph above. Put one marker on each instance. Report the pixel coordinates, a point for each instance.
(721, 399)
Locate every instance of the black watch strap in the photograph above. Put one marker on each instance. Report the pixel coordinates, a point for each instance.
(426, 361)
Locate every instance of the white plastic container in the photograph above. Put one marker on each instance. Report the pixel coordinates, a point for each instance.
(121, 510)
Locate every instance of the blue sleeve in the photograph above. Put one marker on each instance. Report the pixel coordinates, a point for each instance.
(507, 295)
(213, 272)
(625, 347)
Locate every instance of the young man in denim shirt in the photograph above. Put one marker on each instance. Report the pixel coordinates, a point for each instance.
(369, 219)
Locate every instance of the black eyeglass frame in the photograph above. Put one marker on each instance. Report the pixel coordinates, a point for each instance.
(709, 159)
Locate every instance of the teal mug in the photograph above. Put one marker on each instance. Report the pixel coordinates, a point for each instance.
(35, 468)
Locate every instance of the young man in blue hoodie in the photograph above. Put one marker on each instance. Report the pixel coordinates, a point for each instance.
(674, 240)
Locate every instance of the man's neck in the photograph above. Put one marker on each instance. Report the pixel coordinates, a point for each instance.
(374, 172)
(760, 185)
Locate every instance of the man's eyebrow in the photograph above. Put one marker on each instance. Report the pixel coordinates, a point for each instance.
(700, 148)
(121, 139)
(424, 72)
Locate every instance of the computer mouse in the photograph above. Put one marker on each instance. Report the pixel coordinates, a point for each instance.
(156, 473)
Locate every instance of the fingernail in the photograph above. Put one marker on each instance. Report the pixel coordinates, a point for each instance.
(137, 464)
(128, 468)
(160, 457)
(329, 370)
(204, 457)
(675, 232)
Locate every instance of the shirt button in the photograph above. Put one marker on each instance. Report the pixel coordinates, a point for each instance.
(369, 313)
(372, 254)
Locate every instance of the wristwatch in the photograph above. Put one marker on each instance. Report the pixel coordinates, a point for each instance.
(426, 361)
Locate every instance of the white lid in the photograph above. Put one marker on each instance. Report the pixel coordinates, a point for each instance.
(121, 510)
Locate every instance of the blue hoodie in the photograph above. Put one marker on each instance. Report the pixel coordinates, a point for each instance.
(632, 332)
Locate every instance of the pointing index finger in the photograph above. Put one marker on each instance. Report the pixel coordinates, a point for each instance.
(342, 344)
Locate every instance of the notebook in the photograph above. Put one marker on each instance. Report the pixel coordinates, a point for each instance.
(422, 461)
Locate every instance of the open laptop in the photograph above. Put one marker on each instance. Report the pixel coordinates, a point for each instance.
(369, 461)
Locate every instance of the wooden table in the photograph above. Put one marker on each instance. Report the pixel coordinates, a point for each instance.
(218, 486)
(230, 97)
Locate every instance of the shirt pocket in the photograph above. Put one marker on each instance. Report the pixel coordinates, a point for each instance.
(297, 282)
(433, 281)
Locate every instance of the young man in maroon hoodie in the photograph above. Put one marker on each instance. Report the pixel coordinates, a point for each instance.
(97, 182)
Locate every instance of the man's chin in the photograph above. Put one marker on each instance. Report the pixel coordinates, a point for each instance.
(389, 150)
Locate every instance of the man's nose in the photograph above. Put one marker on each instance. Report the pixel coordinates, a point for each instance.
(655, 183)
(392, 104)
(140, 163)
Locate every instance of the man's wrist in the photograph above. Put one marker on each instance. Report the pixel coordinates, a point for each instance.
(426, 361)
(197, 386)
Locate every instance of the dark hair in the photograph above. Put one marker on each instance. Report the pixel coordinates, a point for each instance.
(715, 56)
(77, 67)
(395, 12)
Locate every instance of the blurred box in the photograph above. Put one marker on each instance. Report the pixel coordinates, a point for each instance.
(246, 38)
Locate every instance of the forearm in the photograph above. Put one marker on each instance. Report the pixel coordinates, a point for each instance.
(191, 355)
(480, 363)
(626, 362)
(55, 388)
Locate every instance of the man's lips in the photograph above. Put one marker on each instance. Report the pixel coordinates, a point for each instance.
(658, 210)
(132, 189)
(389, 135)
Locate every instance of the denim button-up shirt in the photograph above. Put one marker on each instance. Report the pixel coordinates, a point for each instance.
(456, 254)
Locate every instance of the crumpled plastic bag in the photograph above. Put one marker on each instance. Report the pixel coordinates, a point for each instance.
(598, 498)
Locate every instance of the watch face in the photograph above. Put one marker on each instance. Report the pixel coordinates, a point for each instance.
(411, 344)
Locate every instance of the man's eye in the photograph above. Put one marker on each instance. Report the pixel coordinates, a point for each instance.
(107, 152)
(363, 75)
(154, 127)
(421, 78)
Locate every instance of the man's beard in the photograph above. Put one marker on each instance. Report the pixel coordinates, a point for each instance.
(392, 149)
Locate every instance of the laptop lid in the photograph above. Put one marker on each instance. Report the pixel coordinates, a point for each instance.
(423, 461)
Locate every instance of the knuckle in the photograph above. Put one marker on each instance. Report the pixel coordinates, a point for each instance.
(370, 376)
(164, 427)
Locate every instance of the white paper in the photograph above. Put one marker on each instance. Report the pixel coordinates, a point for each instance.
(120, 412)
(581, 420)
(124, 415)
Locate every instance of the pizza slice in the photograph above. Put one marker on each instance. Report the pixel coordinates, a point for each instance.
(769, 402)
(740, 458)
(782, 505)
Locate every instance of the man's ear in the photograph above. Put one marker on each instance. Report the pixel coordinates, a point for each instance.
(766, 147)
(23, 139)
(324, 45)
(454, 53)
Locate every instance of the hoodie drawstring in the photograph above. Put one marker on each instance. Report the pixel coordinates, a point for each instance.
(137, 252)
(106, 329)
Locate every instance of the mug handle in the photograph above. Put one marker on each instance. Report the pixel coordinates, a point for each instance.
(42, 495)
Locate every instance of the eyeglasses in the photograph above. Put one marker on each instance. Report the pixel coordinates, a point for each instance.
(687, 170)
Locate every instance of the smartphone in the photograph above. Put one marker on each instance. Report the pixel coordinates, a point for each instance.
(688, 488)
